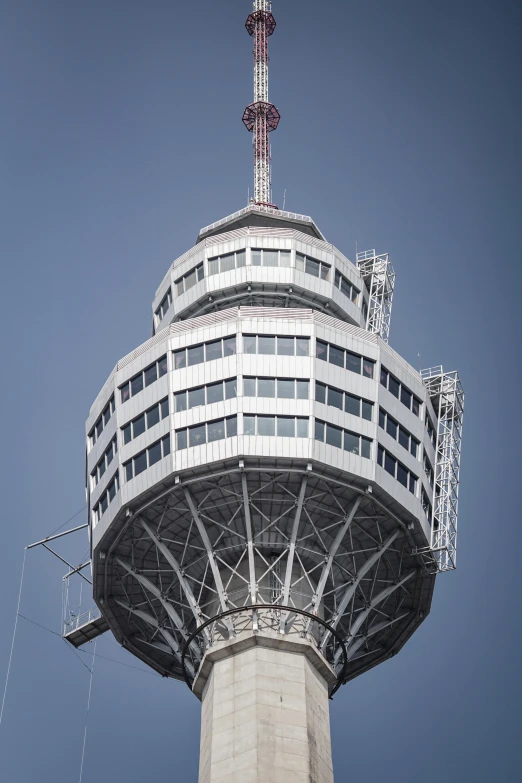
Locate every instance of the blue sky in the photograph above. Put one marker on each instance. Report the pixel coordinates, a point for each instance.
(121, 137)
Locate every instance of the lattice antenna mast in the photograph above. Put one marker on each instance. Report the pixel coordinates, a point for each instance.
(261, 117)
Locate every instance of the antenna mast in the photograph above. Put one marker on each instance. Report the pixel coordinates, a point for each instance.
(261, 117)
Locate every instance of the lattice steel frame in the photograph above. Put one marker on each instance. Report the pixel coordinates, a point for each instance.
(447, 397)
(379, 277)
(287, 537)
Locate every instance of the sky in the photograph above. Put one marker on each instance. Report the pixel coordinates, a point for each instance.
(121, 137)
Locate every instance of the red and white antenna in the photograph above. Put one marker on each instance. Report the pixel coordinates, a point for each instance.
(261, 117)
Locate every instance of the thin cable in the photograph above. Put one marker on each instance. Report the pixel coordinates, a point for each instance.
(67, 521)
(14, 636)
(87, 715)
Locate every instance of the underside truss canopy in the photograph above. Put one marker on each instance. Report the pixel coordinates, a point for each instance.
(299, 542)
(447, 397)
(379, 277)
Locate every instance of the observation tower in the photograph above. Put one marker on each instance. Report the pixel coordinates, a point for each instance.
(272, 489)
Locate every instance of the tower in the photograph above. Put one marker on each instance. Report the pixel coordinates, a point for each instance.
(272, 488)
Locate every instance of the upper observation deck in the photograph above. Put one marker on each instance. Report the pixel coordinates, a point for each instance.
(261, 257)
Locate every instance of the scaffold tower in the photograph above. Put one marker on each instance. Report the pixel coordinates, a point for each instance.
(379, 277)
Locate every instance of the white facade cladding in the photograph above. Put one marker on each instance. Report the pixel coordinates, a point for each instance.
(264, 487)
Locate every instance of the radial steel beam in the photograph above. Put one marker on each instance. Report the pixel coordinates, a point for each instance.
(250, 544)
(373, 630)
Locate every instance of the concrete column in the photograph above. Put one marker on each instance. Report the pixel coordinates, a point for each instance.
(265, 717)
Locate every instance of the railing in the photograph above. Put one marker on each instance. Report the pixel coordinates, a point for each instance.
(82, 619)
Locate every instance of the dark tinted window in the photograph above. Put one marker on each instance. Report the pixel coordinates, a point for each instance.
(367, 368)
(180, 401)
(180, 359)
(137, 384)
(319, 430)
(229, 346)
(138, 426)
(334, 436)
(393, 386)
(196, 397)
(162, 366)
(366, 446)
(302, 390)
(140, 463)
(231, 389)
(302, 346)
(351, 442)
(213, 350)
(321, 350)
(195, 355)
(164, 404)
(367, 410)
(406, 397)
(151, 374)
(181, 439)
(353, 362)
(214, 392)
(391, 428)
(320, 392)
(127, 435)
(153, 416)
(336, 356)
(352, 404)
(231, 426)
(155, 453)
(335, 398)
(389, 464)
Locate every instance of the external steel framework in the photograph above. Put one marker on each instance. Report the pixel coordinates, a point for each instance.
(261, 117)
(185, 567)
(447, 397)
(379, 276)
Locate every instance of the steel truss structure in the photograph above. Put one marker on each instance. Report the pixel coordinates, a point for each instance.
(379, 276)
(261, 117)
(447, 397)
(305, 544)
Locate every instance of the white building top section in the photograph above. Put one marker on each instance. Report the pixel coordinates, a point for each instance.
(269, 217)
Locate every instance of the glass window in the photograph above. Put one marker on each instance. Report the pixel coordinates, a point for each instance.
(415, 406)
(197, 435)
(380, 455)
(214, 392)
(266, 425)
(393, 386)
(312, 267)
(270, 258)
(249, 343)
(325, 271)
(104, 503)
(285, 346)
(213, 266)
(179, 287)
(151, 374)
(319, 430)
(366, 447)
(227, 262)
(213, 350)
(321, 350)
(166, 445)
(286, 426)
(345, 287)
(266, 345)
(299, 261)
(155, 453)
(302, 390)
(367, 410)
(200, 271)
(128, 470)
(389, 464)
(99, 428)
(391, 427)
(414, 445)
(101, 468)
(382, 419)
(406, 397)
(336, 356)
(402, 475)
(302, 346)
(367, 368)
(256, 257)
(284, 258)
(153, 416)
(413, 484)
(181, 439)
(355, 294)
(265, 387)
(190, 279)
(249, 425)
(196, 397)
(162, 366)
(249, 387)
(180, 401)
(164, 406)
(110, 453)
(138, 426)
(231, 388)
(384, 378)
(301, 427)
(127, 436)
(180, 359)
(216, 430)
(352, 404)
(137, 384)
(229, 345)
(195, 355)
(335, 398)
(231, 426)
(351, 442)
(140, 463)
(240, 258)
(286, 388)
(404, 438)
(320, 392)
(353, 362)
(106, 415)
(334, 436)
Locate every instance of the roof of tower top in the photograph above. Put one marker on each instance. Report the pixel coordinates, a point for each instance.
(259, 215)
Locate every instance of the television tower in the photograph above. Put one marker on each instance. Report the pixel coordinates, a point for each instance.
(272, 489)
